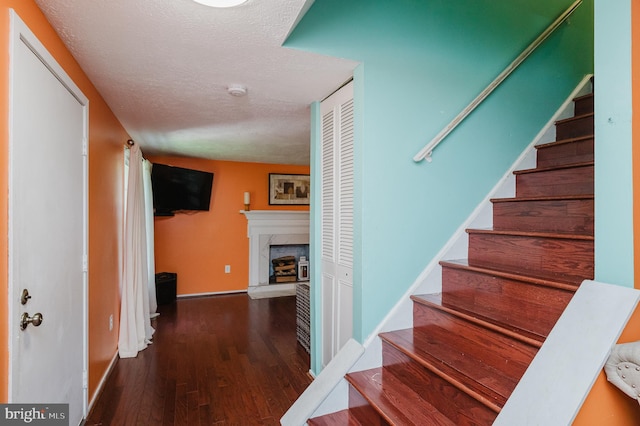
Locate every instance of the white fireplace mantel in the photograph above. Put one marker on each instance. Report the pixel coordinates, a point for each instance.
(266, 228)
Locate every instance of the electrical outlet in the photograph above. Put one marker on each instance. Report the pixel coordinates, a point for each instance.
(227, 269)
(110, 322)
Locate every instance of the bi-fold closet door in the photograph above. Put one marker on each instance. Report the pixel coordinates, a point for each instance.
(336, 210)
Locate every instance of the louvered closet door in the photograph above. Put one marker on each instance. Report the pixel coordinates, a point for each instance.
(337, 221)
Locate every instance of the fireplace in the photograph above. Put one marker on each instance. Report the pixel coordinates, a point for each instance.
(284, 260)
(267, 228)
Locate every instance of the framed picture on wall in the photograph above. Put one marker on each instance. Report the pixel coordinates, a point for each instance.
(289, 189)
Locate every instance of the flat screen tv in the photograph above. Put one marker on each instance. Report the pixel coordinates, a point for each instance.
(177, 188)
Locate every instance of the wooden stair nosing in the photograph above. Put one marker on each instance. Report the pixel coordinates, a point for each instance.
(385, 407)
(544, 198)
(543, 282)
(564, 141)
(434, 366)
(574, 118)
(552, 168)
(553, 276)
(516, 333)
(532, 234)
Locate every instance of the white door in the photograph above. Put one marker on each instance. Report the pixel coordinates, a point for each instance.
(47, 227)
(337, 220)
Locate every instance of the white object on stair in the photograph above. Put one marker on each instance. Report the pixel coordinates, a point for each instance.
(623, 368)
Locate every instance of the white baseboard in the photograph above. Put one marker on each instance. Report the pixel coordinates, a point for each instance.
(213, 293)
(103, 381)
(255, 292)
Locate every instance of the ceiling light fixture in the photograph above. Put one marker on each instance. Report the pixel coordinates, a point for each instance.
(237, 90)
(221, 3)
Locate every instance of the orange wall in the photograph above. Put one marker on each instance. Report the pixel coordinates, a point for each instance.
(106, 140)
(198, 245)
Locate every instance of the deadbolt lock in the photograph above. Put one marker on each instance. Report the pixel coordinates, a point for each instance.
(25, 320)
(25, 296)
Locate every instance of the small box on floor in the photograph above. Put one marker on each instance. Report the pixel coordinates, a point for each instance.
(166, 284)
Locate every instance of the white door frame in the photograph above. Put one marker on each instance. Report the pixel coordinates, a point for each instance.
(20, 33)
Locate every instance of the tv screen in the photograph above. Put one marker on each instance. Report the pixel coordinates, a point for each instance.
(177, 188)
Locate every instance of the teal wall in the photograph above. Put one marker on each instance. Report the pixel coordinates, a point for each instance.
(613, 107)
(423, 61)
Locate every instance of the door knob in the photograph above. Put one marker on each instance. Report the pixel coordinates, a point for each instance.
(25, 320)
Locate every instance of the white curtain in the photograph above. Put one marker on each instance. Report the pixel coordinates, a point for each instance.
(148, 214)
(135, 324)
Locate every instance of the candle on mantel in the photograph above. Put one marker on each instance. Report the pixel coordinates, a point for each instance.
(247, 200)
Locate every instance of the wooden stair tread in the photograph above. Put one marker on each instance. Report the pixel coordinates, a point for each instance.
(339, 418)
(557, 235)
(395, 401)
(435, 300)
(551, 168)
(527, 307)
(585, 96)
(466, 357)
(564, 141)
(574, 118)
(546, 281)
(545, 198)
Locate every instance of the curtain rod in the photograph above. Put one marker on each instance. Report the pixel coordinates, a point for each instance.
(131, 143)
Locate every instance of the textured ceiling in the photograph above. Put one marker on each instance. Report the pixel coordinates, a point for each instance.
(163, 67)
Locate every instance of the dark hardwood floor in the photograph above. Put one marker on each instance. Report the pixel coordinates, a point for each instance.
(220, 360)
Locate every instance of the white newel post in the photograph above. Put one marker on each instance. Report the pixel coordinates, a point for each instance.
(266, 228)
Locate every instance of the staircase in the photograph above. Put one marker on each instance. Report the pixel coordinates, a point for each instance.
(470, 345)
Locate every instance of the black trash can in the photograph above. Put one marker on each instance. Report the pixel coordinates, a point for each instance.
(166, 283)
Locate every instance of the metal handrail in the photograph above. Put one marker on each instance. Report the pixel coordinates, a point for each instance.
(425, 153)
